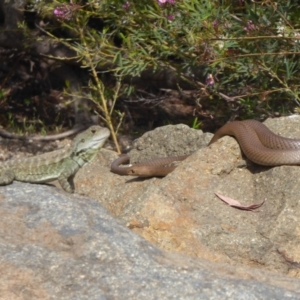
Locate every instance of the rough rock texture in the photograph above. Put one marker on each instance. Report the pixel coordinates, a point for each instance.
(54, 245)
(170, 140)
(59, 246)
(180, 213)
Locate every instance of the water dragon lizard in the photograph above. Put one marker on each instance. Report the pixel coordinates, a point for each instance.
(61, 164)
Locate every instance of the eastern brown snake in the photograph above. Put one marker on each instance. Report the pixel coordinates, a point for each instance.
(258, 143)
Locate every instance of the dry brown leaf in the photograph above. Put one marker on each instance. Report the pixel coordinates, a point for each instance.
(237, 204)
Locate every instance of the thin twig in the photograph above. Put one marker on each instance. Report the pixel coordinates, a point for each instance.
(53, 137)
(100, 89)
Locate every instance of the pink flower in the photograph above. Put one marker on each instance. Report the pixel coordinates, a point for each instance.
(163, 2)
(65, 11)
(250, 27)
(210, 80)
(126, 5)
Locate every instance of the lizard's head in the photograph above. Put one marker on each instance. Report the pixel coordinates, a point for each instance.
(91, 139)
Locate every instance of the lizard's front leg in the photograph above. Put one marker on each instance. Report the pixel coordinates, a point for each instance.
(6, 177)
(67, 183)
(65, 179)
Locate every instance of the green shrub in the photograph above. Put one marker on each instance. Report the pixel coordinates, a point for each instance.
(248, 50)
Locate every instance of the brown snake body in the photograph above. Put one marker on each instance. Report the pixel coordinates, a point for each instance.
(258, 143)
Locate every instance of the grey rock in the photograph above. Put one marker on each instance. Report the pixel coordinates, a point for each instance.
(54, 245)
(59, 246)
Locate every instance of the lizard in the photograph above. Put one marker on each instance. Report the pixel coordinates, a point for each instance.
(61, 164)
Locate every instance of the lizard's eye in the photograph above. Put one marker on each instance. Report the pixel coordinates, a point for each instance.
(93, 130)
(82, 140)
